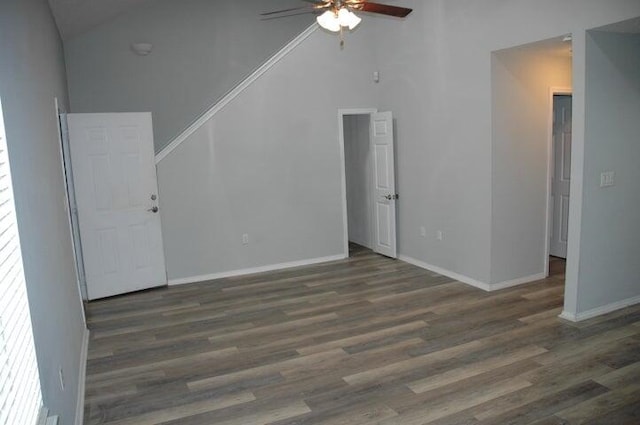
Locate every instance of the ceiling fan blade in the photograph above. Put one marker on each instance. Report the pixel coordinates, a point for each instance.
(286, 15)
(320, 3)
(275, 12)
(383, 9)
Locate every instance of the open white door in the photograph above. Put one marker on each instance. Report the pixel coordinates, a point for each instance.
(384, 185)
(561, 178)
(114, 173)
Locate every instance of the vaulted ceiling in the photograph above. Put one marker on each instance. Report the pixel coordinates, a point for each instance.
(77, 16)
(631, 26)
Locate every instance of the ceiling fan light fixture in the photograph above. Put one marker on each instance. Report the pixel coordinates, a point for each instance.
(336, 15)
(348, 19)
(329, 21)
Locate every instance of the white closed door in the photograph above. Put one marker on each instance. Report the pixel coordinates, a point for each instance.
(384, 185)
(113, 167)
(561, 178)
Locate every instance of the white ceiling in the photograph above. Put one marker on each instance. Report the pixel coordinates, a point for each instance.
(556, 47)
(632, 26)
(77, 16)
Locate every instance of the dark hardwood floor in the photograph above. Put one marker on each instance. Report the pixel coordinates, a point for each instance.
(366, 340)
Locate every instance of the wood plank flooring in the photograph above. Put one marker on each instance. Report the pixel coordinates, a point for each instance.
(366, 340)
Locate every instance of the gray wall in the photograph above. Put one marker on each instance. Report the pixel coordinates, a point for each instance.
(202, 49)
(437, 83)
(435, 72)
(435, 69)
(358, 174)
(610, 239)
(267, 165)
(521, 107)
(31, 75)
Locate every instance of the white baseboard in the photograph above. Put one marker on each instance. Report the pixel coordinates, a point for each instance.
(42, 416)
(469, 280)
(261, 269)
(82, 377)
(453, 275)
(45, 419)
(599, 311)
(568, 316)
(516, 282)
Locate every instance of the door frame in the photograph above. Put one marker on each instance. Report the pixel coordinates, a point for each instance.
(553, 91)
(343, 169)
(63, 144)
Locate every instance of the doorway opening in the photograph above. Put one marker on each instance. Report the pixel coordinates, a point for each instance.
(358, 181)
(368, 181)
(524, 81)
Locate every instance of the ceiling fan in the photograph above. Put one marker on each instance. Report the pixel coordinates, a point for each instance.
(335, 15)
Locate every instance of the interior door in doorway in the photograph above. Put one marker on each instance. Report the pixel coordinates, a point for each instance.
(384, 184)
(561, 177)
(114, 174)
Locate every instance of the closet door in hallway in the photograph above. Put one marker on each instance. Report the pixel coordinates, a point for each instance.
(561, 175)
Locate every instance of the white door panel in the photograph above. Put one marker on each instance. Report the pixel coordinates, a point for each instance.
(385, 187)
(115, 180)
(561, 179)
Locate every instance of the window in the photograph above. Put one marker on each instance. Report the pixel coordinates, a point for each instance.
(20, 395)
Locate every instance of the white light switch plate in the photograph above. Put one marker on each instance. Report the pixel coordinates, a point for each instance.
(607, 179)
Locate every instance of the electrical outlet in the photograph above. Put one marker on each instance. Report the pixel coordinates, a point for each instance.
(245, 239)
(423, 231)
(61, 376)
(439, 235)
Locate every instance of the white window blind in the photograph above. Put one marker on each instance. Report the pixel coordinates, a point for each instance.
(20, 395)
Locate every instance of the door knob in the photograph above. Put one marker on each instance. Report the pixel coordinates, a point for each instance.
(153, 209)
(391, 197)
